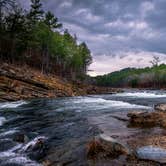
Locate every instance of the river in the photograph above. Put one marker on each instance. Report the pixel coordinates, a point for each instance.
(66, 125)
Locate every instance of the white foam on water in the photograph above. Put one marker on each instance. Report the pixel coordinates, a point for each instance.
(8, 132)
(78, 111)
(12, 104)
(121, 104)
(102, 103)
(2, 120)
(10, 157)
(141, 95)
(88, 100)
(23, 161)
(33, 142)
(69, 124)
(7, 154)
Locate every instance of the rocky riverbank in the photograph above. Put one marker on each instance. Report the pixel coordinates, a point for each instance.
(149, 119)
(144, 147)
(18, 83)
(86, 130)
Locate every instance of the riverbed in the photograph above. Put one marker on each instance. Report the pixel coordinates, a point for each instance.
(67, 125)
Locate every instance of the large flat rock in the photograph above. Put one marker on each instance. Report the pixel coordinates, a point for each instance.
(151, 153)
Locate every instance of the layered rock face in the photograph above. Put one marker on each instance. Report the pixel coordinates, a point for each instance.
(22, 83)
(18, 83)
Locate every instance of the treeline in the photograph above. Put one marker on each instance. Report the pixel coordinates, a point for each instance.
(149, 77)
(36, 38)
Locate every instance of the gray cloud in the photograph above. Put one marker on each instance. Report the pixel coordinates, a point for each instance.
(115, 27)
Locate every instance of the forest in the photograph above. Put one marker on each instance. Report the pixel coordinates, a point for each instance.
(37, 39)
(149, 77)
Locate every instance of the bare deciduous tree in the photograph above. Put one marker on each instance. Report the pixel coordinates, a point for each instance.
(155, 61)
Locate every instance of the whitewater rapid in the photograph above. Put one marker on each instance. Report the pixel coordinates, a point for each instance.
(66, 123)
(142, 95)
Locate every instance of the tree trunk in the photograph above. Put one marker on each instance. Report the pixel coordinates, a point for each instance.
(47, 60)
(42, 67)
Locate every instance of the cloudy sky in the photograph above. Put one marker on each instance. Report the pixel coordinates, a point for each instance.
(119, 33)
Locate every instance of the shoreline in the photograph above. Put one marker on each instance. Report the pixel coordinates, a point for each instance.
(131, 128)
(20, 83)
(113, 132)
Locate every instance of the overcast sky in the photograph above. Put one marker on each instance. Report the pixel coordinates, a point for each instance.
(119, 33)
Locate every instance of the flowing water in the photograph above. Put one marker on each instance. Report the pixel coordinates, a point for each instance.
(66, 125)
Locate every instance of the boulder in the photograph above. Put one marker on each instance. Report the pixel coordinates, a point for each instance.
(147, 119)
(112, 144)
(37, 148)
(142, 119)
(151, 153)
(160, 107)
(106, 146)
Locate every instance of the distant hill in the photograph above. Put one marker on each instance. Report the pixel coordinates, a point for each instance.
(149, 77)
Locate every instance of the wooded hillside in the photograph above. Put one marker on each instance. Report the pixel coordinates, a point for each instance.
(149, 77)
(36, 38)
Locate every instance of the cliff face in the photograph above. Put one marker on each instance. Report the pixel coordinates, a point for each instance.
(18, 83)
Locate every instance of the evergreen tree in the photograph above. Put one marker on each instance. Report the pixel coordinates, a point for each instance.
(29, 38)
(15, 26)
(36, 12)
(86, 56)
(52, 21)
(5, 5)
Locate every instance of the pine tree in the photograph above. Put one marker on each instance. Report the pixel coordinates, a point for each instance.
(52, 21)
(5, 5)
(31, 37)
(36, 12)
(15, 26)
(86, 56)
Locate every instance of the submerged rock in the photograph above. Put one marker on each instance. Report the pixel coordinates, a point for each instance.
(106, 146)
(21, 138)
(160, 107)
(151, 153)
